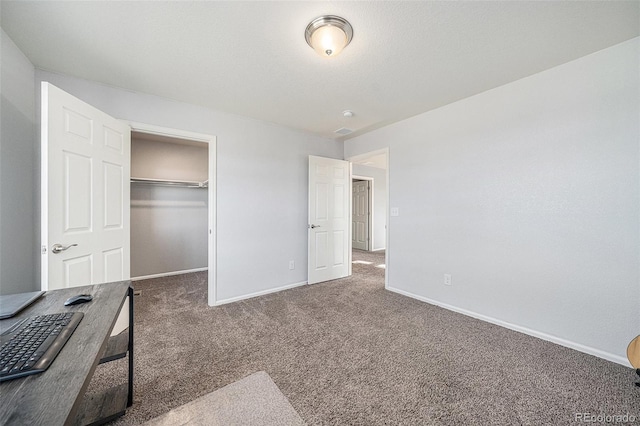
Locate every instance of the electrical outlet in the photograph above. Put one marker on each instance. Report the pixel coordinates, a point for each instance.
(292, 264)
(395, 211)
(447, 279)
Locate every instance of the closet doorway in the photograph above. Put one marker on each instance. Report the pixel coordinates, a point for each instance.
(173, 203)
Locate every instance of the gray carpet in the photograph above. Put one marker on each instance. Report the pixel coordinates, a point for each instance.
(252, 401)
(349, 352)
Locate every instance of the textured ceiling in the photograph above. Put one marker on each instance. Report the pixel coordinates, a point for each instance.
(251, 59)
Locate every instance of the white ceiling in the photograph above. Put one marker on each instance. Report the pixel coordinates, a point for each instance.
(251, 59)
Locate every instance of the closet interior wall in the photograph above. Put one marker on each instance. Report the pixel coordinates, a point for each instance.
(168, 223)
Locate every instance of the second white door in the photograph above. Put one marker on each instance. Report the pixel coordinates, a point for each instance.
(360, 215)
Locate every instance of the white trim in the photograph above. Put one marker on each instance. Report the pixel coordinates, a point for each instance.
(167, 274)
(259, 293)
(387, 243)
(350, 254)
(44, 185)
(540, 335)
(212, 285)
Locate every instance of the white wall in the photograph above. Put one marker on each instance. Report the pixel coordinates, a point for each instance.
(262, 173)
(379, 202)
(528, 195)
(168, 224)
(18, 252)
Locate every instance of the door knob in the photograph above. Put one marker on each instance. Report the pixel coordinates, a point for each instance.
(315, 226)
(59, 248)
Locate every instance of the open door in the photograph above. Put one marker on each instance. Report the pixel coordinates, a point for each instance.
(85, 193)
(329, 219)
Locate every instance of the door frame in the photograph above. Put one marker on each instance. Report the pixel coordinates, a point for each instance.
(387, 250)
(212, 294)
(370, 201)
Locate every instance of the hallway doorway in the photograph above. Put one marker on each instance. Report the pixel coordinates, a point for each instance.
(373, 169)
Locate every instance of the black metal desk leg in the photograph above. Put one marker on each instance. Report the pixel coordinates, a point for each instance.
(130, 396)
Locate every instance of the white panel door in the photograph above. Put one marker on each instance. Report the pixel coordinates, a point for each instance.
(360, 215)
(329, 234)
(85, 193)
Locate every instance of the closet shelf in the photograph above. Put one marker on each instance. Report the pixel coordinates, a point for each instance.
(165, 182)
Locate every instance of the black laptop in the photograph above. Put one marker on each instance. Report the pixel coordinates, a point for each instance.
(11, 304)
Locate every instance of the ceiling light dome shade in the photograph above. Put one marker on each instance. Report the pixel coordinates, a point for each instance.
(328, 35)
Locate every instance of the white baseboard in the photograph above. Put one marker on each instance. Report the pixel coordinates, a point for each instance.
(259, 293)
(549, 338)
(379, 249)
(168, 274)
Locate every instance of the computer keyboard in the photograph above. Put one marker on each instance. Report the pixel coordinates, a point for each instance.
(30, 346)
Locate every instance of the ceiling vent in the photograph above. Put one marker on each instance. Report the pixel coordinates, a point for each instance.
(344, 131)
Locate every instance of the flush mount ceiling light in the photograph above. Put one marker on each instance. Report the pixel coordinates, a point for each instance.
(328, 35)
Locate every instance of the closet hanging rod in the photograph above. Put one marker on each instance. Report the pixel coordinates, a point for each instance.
(166, 182)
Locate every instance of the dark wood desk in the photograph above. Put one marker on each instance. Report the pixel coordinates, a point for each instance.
(56, 396)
